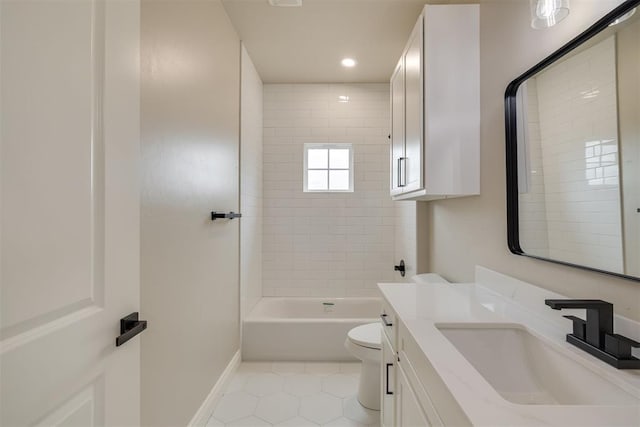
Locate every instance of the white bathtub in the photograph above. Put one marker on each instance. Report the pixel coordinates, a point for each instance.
(297, 329)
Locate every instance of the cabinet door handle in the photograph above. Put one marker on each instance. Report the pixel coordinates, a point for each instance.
(387, 385)
(384, 320)
(402, 171)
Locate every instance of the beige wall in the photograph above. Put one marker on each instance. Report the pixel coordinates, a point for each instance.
(190, 93)
(472, 230)
(250, 185)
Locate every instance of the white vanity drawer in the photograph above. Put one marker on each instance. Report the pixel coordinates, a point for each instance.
(389, 321)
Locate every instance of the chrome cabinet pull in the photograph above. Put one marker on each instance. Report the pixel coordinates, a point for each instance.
(402, 173)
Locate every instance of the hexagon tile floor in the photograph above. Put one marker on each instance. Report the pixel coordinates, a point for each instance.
(294, 395)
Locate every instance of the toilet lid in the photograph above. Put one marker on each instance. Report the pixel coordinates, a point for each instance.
(368, 335)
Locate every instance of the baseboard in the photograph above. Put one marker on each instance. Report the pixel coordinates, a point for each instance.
(206, 409)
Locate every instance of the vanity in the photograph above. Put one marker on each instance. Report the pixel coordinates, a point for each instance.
(492, 353)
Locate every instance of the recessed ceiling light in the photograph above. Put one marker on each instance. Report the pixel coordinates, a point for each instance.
(348, 62)
(286, 3)
(343, 98)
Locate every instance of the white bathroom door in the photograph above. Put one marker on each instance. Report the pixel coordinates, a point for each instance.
(69, 211)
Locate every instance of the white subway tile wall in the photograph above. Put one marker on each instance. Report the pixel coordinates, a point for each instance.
(579, 139)
(533, 231)
(326, 244)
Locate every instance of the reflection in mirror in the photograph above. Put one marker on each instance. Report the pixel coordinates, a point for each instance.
(578, 147)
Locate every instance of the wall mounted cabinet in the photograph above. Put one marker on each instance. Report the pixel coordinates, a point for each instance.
(435, 107)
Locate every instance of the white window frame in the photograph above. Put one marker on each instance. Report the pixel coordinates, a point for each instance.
(328, 146)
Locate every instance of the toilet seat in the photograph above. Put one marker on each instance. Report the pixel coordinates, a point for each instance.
(369, 336)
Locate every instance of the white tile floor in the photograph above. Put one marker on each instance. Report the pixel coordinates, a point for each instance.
(295, 395)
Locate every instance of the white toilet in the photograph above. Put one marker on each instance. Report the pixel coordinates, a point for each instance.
(365, 343)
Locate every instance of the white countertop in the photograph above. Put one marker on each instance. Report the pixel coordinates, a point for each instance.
(496, 298)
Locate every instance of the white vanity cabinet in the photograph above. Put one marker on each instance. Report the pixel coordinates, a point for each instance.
(400, 404)
(435, 107)
(412, 394)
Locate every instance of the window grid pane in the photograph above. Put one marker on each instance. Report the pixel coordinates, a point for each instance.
(338, 180)
(328, 168)
(317, 180)
(318, 158)
(339, 158)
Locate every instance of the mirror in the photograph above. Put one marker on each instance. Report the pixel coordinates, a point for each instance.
(573, 151)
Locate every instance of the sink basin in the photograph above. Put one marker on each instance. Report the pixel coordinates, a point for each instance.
(525, 370)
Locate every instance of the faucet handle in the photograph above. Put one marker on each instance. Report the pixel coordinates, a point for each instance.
(619, 345)
(579, 326)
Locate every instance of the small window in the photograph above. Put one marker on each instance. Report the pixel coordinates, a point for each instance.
(328, 167)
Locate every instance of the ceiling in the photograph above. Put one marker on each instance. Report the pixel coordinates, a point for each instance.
(305, 44)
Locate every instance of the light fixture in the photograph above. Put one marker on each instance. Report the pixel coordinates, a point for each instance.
(348, 62)
(624, 17)
(286, 3)
(343, 98)
(547, 13)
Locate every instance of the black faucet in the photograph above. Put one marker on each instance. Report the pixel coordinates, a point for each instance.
(595, 335)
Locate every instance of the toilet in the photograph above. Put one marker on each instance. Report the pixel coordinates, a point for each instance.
(365, 343)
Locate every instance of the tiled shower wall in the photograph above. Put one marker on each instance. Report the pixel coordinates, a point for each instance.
(326, 244)
(579, 135)
(532, 225)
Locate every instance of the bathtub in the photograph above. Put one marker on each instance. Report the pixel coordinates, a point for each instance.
(304, 329)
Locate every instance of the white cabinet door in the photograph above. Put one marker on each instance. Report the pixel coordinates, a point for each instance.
(441, 107)
(388, 383)
(408, 410)
(397, 129)
(413, 110)
(69, 212)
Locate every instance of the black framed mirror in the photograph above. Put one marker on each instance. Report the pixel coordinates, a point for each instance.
(573, 151)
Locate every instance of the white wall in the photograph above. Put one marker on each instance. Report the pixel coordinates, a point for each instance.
(411, 241)
(326, 244)
(405, 238)
(579, 137)
(250, 184)
(190, 104)
(473, 230)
